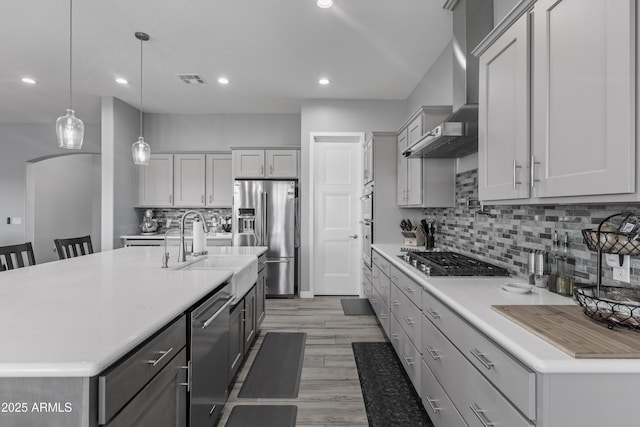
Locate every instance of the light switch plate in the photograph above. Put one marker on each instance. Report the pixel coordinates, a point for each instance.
(14, 220)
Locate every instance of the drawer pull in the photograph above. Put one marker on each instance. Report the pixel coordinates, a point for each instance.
(163, 354)
(482, 359)
(431, 403)
(394, 337)
(433, 313)
(373, 300)
(187, 384)
(433, 353)
(408, 360)
(409, 320)
(213, 408)
(394, 302)
(408, 289)
(486, 422)
(384, 316)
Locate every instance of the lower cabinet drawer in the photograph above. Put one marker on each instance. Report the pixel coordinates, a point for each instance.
(382, 311)
(477, 400)
(407, 353)
(512, 378)
(439, 407)
(409, 316)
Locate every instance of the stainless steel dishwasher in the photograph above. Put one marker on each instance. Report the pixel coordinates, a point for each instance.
(209, 361)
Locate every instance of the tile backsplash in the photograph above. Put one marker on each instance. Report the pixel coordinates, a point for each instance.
(175, 214)
(504, 235)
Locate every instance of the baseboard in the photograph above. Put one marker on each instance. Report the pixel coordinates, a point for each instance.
(306, 294)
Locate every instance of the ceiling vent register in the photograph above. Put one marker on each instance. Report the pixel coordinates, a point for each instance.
(192, 79)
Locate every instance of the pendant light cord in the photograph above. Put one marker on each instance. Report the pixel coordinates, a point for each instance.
(141, 41)
(70, 51)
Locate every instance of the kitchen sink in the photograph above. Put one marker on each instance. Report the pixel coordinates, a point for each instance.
(244, 268)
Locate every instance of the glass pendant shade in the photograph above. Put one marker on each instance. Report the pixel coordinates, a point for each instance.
(141, 152)
(70, 131)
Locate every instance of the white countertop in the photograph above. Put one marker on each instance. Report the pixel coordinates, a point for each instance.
(75, 317)
(160, 236)
(472, 298)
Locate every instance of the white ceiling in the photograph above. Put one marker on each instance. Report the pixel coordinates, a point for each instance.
(273, 51)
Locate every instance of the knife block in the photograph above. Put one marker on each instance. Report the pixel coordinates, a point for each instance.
(414, 237)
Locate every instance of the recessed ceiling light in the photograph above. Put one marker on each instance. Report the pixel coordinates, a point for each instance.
(122, 81)
(223, 81)
(324, 81)
(325, 3)
(28, 80)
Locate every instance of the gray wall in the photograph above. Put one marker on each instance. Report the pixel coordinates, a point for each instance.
(217, 132)
(120, 129)
(67, 206)
(436, 87)
(20, 143)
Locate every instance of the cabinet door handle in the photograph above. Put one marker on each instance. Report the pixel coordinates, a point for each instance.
(213, 408)
(261, 170)
(394, 337)
(210, 198)
(515, 166)
(433, 313)
(408, 289)
(533, 171)
(163, 354)
(433, 353)
(394, 302)
(486, 422)
(482, 358)
(170, 199)
(409, 321)
(202, 199)
(408, 360)
(188, 383)
(431, 403)
(271, 169)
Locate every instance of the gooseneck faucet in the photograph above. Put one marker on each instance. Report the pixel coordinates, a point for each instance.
(182, 256)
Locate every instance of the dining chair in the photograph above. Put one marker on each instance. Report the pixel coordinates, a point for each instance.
(73, 247)
(13, 256)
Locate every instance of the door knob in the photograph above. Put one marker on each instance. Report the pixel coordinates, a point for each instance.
(354, 236)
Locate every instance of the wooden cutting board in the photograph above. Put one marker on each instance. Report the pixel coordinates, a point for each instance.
(570, 330)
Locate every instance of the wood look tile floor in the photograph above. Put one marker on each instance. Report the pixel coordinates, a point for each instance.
(330, 393)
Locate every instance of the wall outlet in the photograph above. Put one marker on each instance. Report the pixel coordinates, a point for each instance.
(622, 272)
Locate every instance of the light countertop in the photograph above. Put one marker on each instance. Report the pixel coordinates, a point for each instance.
(75, 317)
(472, 297)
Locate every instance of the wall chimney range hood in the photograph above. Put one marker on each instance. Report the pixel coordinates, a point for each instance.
(458, 135)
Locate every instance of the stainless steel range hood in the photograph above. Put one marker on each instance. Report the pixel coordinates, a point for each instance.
(458, 135)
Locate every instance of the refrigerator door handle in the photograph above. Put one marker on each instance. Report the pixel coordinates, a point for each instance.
(296, 224)
(265, 235)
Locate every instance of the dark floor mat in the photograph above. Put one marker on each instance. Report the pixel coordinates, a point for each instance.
(356, 307)
(263, 416)
(389, 396)
(275, 372)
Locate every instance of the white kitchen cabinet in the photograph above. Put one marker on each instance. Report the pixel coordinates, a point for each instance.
(281, 163)
(584, 95)
(156, 181)
(189, 180)
(581, 112)
(271, 163)
(424, 182)
(219, 181)
(367, 161)
(503, 116)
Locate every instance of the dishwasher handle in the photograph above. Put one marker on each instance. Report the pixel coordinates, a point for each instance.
(210, 320)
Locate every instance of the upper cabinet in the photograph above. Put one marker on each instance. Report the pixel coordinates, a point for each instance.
(565, 132)
(186, 180)
(274, 163)
(424, 182)
(219, 181)
(156, 181)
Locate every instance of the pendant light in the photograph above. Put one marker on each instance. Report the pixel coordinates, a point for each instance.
(69, 128)
(140, 149)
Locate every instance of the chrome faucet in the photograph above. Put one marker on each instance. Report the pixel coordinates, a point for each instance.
(182, 256)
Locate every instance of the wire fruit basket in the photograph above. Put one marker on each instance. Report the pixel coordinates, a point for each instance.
(616, 306)
(612, 305)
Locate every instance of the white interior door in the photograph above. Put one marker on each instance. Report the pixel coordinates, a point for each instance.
(337, 240)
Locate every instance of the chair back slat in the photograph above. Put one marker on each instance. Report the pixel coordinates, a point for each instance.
(73, 247)
(12, 256)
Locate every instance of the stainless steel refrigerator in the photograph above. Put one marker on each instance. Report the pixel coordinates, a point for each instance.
(265, 213)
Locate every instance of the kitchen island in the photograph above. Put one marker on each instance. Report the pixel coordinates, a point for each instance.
(213, 239)
(66, 322)
(470, 364)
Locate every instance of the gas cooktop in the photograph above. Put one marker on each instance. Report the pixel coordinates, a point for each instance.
(451, 264)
